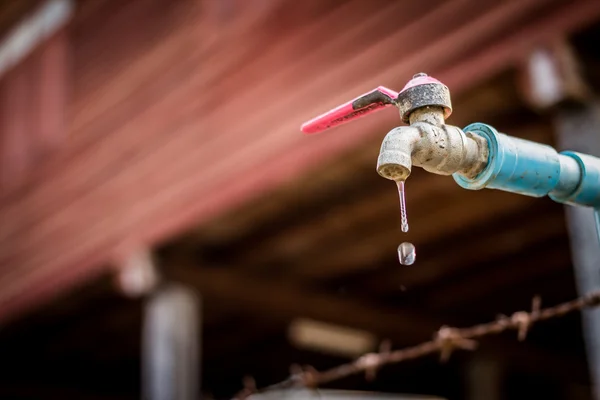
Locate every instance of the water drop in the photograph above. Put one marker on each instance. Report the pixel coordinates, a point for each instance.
(403, 217)
(407, 253)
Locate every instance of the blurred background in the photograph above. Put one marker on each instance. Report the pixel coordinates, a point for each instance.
(167, 231)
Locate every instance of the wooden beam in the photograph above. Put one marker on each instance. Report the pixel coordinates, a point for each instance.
(546, 257)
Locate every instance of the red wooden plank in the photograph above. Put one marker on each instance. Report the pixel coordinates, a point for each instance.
(16, 127)
(50, 95)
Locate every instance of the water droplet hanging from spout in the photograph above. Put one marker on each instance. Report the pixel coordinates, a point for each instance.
(403, 217)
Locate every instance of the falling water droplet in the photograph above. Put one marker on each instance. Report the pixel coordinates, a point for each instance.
(407, 253)
(403, 217)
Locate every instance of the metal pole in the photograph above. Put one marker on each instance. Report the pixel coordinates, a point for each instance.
(555, 83)
(170, 344)
(578, 129)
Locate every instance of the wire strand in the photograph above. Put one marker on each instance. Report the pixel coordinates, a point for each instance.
(446, 340)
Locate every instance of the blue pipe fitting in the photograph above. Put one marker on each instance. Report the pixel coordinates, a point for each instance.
(534, 169)
(514, 165)
(587, 190)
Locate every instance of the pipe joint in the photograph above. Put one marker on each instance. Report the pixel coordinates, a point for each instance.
(534, 169)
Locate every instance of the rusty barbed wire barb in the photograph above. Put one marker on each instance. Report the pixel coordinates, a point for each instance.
(371, 361)
(450, 339)
(446, 340)
(524, 320)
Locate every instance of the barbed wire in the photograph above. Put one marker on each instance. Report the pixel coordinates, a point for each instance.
(445, 341)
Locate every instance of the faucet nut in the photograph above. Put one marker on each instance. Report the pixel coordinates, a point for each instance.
(423, 91)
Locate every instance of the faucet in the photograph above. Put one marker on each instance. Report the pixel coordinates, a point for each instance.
(428, 142)
(477, 156)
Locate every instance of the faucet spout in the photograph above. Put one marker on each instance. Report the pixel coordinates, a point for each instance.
(395, 157)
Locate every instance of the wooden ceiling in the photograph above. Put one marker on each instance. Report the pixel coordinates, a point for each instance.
(322, 244)
(194, 109)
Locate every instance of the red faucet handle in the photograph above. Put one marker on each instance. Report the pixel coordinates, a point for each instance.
(367, 103)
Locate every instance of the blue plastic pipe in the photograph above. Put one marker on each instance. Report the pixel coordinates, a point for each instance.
(535, 169)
